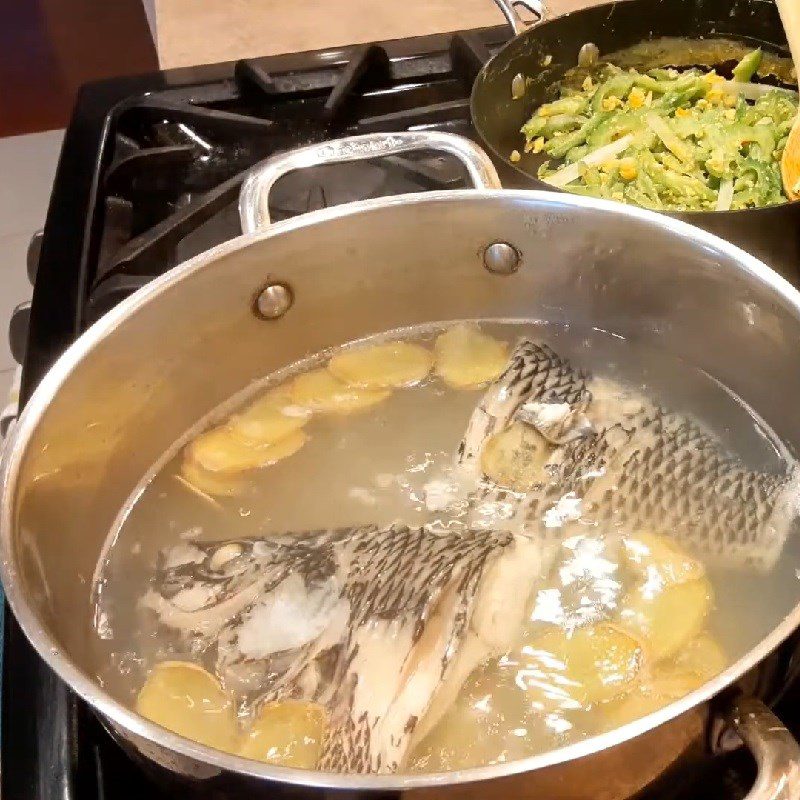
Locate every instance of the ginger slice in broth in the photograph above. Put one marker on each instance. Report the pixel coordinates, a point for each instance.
(269, 419)
(696, 663)
(666, 617)
(467, 358)
(574, 669)
(189, 701)
(703, 656)
(657, 559)
(205, 483)
(382, 366)
(221, 450)
(515, 457)
(319, 390)
(288, 734)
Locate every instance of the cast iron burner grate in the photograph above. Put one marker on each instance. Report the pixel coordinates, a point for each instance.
(176, 159)
(149, 176)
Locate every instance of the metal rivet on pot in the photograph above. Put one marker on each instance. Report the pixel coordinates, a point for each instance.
(273, 301)
(501, 258)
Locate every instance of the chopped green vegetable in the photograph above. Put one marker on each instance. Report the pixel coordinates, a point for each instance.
(668, 140)
(748, 66)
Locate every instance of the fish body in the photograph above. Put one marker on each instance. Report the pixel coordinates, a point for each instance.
(534, 374)
(649, 469)
(376, 623)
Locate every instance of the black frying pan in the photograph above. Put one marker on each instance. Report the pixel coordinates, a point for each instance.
(772, 234)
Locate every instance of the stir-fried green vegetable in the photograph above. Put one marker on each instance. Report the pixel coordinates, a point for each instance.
(666, 139)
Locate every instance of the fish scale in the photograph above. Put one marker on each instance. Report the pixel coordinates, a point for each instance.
(402, 605)
(659, 471)
(533, 371)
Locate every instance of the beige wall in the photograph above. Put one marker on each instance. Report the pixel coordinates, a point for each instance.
(205, 31)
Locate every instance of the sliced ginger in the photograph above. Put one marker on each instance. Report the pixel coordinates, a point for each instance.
(515, 457)
(382, 366)
(216, 484)
(467, 358)
(288, 734)
(189, 701)
(659, 560)
(666, 617)
(570, 670)
(695, 664)
(221, 450)
(319, 390)
(269, 419)
(703, 655)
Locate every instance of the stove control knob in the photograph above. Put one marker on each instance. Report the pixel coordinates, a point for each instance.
(18, 330)
(34, 249)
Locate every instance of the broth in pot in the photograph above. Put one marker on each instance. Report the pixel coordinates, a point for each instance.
(445, 547)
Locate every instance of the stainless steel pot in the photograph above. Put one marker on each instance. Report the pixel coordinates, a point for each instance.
(141, 376)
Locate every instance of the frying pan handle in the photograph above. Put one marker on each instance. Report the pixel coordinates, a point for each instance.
(518, 25)
(775, 750)
(254, 196)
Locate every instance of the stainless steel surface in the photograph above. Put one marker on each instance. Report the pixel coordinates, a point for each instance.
(18, 326)
(501, 258)
(518, 25)
(139, 379)
(273, 301)
(774, 749)
(32, 256)
(254, 197)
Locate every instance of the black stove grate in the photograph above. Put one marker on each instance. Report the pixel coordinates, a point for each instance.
(149, 175)
(176, 158)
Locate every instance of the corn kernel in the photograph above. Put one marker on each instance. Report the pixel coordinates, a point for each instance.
(715, 95)
(712, 77)
(636, 98)
(730, 100)
(683, 112)
(538, 144)
(588, 84)
(628, 170)
(515, 156)
(610, 103)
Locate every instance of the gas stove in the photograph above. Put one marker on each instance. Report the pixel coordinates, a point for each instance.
(149, 176)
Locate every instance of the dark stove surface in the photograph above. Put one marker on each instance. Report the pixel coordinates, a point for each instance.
(149, 175)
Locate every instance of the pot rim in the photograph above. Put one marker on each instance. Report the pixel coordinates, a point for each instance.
(128, 720)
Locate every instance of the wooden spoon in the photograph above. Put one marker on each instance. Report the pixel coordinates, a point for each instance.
(790, 160)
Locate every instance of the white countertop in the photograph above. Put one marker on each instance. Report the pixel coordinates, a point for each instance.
(27, 168)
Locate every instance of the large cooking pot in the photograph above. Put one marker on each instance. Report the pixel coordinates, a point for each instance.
(141, 376)
(772, 234)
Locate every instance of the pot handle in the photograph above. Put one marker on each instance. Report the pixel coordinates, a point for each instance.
(775, 750)
(518, 25)
(254, 196)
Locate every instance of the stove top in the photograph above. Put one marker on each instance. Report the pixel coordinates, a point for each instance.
(149, 176)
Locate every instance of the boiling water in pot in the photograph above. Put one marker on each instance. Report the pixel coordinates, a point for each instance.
(451, 547)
